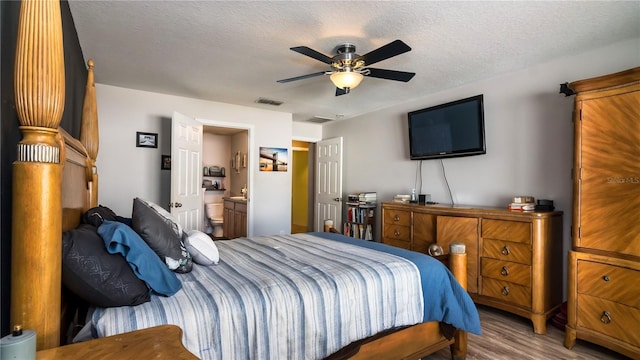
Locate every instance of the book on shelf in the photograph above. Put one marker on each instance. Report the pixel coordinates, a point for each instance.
(522, 206)
(359, 215)
(368, 235)
(367, 196)
(363, 196)
(359, 231)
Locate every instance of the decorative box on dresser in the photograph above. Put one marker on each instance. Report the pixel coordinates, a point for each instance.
(604, 266)
(514, 257)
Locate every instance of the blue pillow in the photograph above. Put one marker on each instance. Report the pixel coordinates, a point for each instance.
(120, 238)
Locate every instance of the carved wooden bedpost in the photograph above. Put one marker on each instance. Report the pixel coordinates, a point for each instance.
(458, 266)
(89, 132)
(39, 82)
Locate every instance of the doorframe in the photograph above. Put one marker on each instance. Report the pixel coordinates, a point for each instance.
(250, 164)
(311, 179)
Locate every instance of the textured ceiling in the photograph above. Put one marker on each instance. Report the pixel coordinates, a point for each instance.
(235, 51)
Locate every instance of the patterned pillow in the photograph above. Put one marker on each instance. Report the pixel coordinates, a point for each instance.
(163, 235)
(100, 278)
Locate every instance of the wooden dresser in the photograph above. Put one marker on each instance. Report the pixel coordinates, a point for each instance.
(514, 257)
(604, 266)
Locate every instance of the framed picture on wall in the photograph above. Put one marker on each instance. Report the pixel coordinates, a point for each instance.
(144, 139)
(274, 159)
(166, 162)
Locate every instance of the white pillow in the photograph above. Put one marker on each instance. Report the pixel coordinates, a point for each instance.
(202, 248)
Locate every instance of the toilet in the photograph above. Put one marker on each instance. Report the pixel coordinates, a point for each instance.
(214, 212)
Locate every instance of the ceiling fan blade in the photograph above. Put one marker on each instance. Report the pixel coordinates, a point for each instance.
(391, 74)
(301, 77)
(392, 49)
(312, 53)
(340, 91)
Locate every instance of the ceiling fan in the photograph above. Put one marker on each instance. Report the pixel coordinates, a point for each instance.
(349, 68)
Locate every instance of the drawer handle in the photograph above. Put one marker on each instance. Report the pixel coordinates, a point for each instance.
(396, 233)
(504, 271)
(505, 250)
(605, 318)
(606, 278)
(396, 218)
(505, 291)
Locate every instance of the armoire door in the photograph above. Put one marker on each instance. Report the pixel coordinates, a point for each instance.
(608, 153)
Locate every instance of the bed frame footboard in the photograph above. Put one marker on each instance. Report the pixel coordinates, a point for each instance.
(417, 341)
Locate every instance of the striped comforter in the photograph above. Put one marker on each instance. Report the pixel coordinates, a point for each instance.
(281, 297)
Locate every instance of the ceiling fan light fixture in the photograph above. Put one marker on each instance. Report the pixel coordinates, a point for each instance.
(346, 79)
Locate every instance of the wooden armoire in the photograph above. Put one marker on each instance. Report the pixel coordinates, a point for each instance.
(604, 265)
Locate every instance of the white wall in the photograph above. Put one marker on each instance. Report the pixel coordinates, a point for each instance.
(126, 172)
(529, 138)
(308, 132)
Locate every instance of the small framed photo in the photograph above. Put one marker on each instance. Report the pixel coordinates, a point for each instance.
(166, 162)
(144, 139)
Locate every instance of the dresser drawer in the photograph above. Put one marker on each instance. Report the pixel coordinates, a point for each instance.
(609, 318)
(397, 243)
(506, 230)
(397, 232)
(507, 250)
(506, 291)
(424, 232)
(506, 271)
(609, 282)
(396, 217)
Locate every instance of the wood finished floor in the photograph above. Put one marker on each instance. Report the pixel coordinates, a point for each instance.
(507, 336)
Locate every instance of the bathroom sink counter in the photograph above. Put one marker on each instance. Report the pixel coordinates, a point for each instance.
(237, 199)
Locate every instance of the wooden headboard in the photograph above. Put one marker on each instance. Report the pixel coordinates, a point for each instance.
(54, 176)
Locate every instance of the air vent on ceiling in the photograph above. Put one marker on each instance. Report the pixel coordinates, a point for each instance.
(319, 120)
(269, 102)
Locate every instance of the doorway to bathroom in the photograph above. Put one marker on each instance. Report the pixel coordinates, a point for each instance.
(224, 176)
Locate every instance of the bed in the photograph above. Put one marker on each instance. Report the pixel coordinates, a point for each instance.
(58, 184)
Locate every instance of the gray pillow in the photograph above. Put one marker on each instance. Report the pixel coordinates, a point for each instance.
(163, 235)
(100, 278)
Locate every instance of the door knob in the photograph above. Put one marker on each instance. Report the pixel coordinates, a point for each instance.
(337, 199)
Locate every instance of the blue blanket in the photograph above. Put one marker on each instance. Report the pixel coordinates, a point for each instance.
(461, 312)
(121, 239)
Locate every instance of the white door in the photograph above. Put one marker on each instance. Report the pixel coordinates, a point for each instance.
(328, 183)
(186, 161)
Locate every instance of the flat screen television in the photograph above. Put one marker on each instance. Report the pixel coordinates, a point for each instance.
(448, 130)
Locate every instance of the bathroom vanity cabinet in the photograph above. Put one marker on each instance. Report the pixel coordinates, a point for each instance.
(235, 218)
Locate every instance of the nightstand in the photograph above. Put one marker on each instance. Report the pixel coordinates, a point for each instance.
(159, 342)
